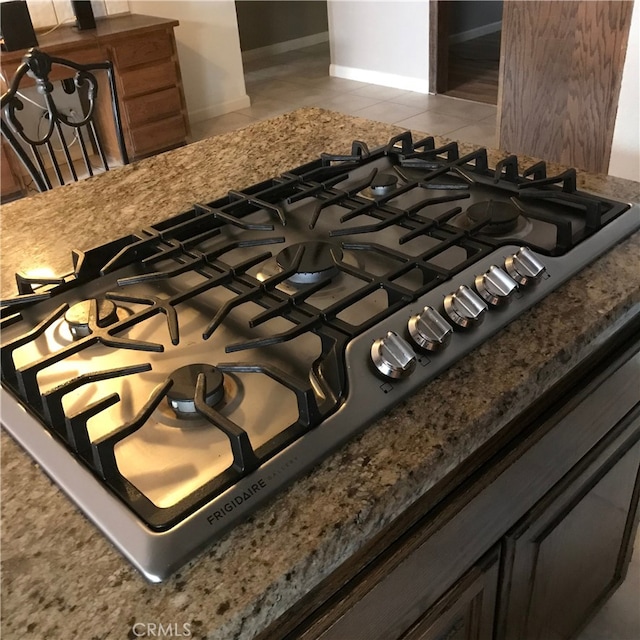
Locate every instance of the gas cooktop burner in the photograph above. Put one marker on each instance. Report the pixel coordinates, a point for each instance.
(383, 184)
(181, 395)
(500, 217)
(317, 261)
(97, 312)
(373, 287)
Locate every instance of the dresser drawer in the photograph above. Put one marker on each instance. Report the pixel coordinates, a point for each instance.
(153, 106)
(157, 136)
(144, 80)
(143, 50)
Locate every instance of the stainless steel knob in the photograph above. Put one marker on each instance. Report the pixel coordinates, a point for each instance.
(464, 307)
(524, 267)
(429, 329)
(495, 286)
(393, 356)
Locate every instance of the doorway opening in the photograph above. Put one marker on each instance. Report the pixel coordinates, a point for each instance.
(465, 49)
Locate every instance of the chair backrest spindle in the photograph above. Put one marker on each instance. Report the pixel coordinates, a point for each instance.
(65, 150)
(85, 155)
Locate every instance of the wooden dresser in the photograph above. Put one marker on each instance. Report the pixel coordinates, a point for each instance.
(143, 52)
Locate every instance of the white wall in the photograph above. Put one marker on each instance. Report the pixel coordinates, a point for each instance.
(625, 149)
(384, 43)
(209, 52)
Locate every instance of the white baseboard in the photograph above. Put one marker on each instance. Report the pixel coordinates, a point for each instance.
(484, 30)
(287, 45)
(219, 109)
(419, 85)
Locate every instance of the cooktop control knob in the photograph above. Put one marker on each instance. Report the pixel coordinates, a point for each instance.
(524, 267)
(495, 286)
(393, 356)
(430, 330)
(465, 307)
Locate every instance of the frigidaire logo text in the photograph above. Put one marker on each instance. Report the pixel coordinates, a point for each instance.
(229, 506)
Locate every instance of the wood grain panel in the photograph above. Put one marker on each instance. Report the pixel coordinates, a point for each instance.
(561, 68)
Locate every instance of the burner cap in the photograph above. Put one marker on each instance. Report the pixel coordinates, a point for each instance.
(181, 395)
(77, 316)
(383, 183)
(501, 216)
(317, 261)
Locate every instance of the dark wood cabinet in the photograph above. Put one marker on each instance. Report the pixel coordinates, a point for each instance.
(569, 552)
(527, 547)
(466, 611)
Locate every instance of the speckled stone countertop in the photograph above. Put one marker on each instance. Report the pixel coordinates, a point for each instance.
(61, 578)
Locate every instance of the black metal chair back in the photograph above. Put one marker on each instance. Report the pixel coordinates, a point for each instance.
(38, 65)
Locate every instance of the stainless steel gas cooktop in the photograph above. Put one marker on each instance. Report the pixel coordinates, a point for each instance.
(178, 377)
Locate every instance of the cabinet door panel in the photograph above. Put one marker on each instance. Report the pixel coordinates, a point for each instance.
(569, 553)
(466, 611)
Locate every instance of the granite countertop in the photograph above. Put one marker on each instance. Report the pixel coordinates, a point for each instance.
(61, 578)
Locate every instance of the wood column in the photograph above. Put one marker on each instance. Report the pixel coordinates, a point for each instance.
(560, 71)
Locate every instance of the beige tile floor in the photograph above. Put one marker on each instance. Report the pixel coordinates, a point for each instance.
(282, 83)
(287, 81)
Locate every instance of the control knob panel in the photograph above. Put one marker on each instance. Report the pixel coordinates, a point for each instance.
(495, 286)
(429, 330)
(465, 307)
(524, 267)
(393, 356)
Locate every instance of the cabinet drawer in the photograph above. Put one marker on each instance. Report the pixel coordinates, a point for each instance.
(158, 135)
(153, 106)
(147, 79)
(142, 50)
